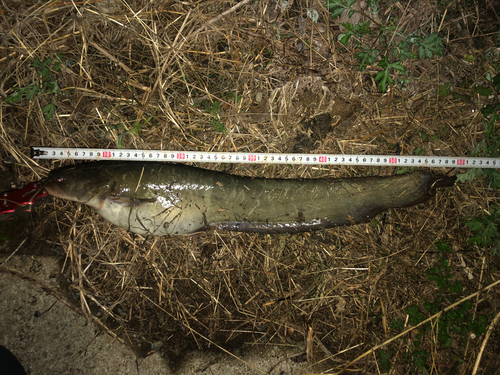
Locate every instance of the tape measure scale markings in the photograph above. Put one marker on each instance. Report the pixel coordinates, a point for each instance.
(263, 158)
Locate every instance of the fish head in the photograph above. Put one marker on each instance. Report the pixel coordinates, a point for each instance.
(80, 183)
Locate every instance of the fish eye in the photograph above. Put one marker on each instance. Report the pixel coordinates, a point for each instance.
(60, 179)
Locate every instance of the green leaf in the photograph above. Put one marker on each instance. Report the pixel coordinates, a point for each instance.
(362, 28)
(397, 324)
(480, 326)
(349, 26)
(470, 175)
(397, 66)
(442, 247)
(403, 51)
(402, 170)
(344, 38)
(335, 6)
(491, 233)
(14, 97)
(456, 287)
(48, 111)
(475, 224)
(384, 63)
(312, 14)
(482, 90)
(493, 177)
(37, 63)
(430, 46)
(487, 230)
(338, 6)
(420, 359)
(467, 305)
(414, 314)
(495, 250)
(382, 78)
(373, 5)
(418, 151)
(55, 89)
(444, 89)
(444, 338)
(32, 90)
(120, 139)
(490, 109)
(496, 82)
(442, 282)
(431, 308)
(385, 363)
(337, 12)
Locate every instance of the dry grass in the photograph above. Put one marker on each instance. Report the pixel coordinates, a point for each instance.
(330, 295)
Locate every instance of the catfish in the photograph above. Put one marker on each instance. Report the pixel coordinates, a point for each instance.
(166, 199)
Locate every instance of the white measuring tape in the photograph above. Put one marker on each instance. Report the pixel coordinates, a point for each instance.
(262, 158)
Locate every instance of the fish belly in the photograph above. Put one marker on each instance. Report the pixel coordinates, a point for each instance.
(152, 218)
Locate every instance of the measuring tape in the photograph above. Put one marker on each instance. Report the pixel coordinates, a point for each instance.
(262, 158)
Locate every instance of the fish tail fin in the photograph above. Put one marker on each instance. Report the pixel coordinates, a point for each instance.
(440, 181)
(428, 184)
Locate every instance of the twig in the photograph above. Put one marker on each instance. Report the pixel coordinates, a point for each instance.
(111, 57)
(437, 315)
(483, 344)
(15, 251)
(215, 19)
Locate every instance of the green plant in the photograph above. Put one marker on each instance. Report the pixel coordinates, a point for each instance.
(234, 96)
(393, 47)
(452, 327)
(490, 145)
(384, 76)
(215, 108)
(384, 360)
(416, 151)
(362, 28)
(338, 6)
(124, 131)
(486, 231)
(136, 129)
(444, 89)
(45, 85)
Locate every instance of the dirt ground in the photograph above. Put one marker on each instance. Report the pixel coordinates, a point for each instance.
(409, 292)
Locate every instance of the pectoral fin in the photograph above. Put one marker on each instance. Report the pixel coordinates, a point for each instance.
(129, 202)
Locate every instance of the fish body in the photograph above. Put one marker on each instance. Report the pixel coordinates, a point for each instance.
(152, 198)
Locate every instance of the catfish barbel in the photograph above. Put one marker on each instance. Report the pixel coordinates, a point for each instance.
(175, 199)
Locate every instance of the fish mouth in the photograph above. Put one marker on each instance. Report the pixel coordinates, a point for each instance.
(54, 189)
